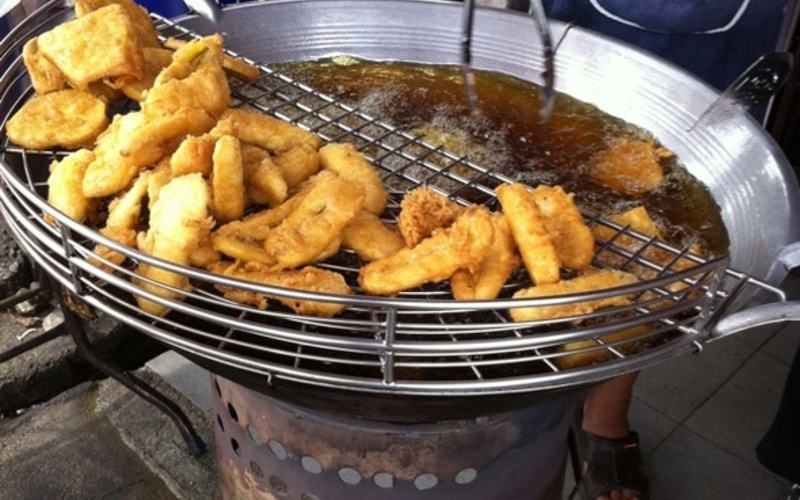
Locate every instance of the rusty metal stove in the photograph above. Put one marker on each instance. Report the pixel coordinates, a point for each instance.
(272, 449)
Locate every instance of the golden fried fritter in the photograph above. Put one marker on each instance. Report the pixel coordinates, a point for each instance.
(155, 60)
(461, 246)
(233, 65)
(315, 222)
(102, 45)
(370, 237)
(66, 118)
(269, 133)
(424, 211)
(309, 278)
(45, 76)
(527, 225)
(591, 281)
(297, 164)
(572, 238)
(64, 186)
(179, 221)
(146, 32)
(227, 180)
(264, 183)
(351, 164)
(629, 166)
(194, 155)
(501, 261)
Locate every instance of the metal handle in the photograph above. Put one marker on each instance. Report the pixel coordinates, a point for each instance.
(766, 314)
(208, 9)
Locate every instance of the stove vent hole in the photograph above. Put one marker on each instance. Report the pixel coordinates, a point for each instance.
(256, 470)
(426, 481)
(278, 484)
(309, 496)
(384, 480)
(253, 433)
(232, 412)
(219, 422)
(216, 386)
(311, 465)
(235, 446)
(466, 476)
(277, 449)
(349, 476)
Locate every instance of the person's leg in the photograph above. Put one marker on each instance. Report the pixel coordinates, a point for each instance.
(609, 438)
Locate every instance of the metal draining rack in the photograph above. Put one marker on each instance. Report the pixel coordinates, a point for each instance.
(418, 343)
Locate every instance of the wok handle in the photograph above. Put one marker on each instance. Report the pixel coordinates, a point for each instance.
(767, 314)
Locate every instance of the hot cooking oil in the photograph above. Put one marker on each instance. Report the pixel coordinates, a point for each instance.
(507, 135)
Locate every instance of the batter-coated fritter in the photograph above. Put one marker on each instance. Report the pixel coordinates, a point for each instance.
(101, 45)
(179, 221)
(146, 32)
(315, 222)
(501, 261)
(527, 225)
(227, 180)
(155, 60)
(370, 237)
(572, 238)
(269, 133)
(309, 278)
(235, 66)
(297, 164)
(351, 164)
(629, 166)
(264, 183)
(424, 211)
(66, 118)
(45, 76)
(64, 186)
(589, 282)
(461, 246)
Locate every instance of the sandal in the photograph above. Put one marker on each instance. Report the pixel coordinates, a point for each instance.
(610, 464)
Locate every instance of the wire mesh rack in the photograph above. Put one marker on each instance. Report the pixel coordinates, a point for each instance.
(421, 342)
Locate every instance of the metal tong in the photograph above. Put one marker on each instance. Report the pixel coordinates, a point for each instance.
(536, 11)
(208, 9)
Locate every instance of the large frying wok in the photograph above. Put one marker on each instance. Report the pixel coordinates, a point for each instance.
(745, 170)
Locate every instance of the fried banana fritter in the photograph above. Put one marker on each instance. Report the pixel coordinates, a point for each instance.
(102, 45)
(629, 166)
(64, 186)
(351, 164)
(461, 246)
(45, 76)
(297, 164)
(179, 221)
(370, 237)
(589, 282)
(308, 278)
(501, 261)
(155, 60)
(530, 234)
(66, 118)
(572, 238)
(424, 211)
(233, 65)
(227, 180)
(269, 133)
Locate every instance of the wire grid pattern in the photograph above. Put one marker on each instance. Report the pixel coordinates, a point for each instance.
(422, 342)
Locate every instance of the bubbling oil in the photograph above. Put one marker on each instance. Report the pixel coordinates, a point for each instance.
(508, 136)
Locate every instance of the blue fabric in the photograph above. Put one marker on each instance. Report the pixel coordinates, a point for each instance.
(717, 58)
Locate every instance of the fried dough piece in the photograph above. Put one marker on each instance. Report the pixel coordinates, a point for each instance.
(370, 237)
(527, 225)
(636, 337)
(65, 118)
(194, 80)
(316, 221)
(64, 186)
(122, 235)
(501, 261)
(424, 211)
(233, 65)
(194, 155)
(572, 238)
(599, 280)
(461, 246)
(227, 180)
(155, 60)
(45, 76)
(179, 222)
(146, 32)
(125, 210)
(159, 177)
(629, 166)
(309, 278)
(297, 164)
(102, 45)
(351, 164)
(269, 133)
(264, 183)
(205, 256)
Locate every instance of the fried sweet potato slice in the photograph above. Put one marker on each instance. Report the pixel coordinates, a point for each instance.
(102, 45)
(66, 118)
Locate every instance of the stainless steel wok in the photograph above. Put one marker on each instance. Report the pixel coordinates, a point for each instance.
(743, 167)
